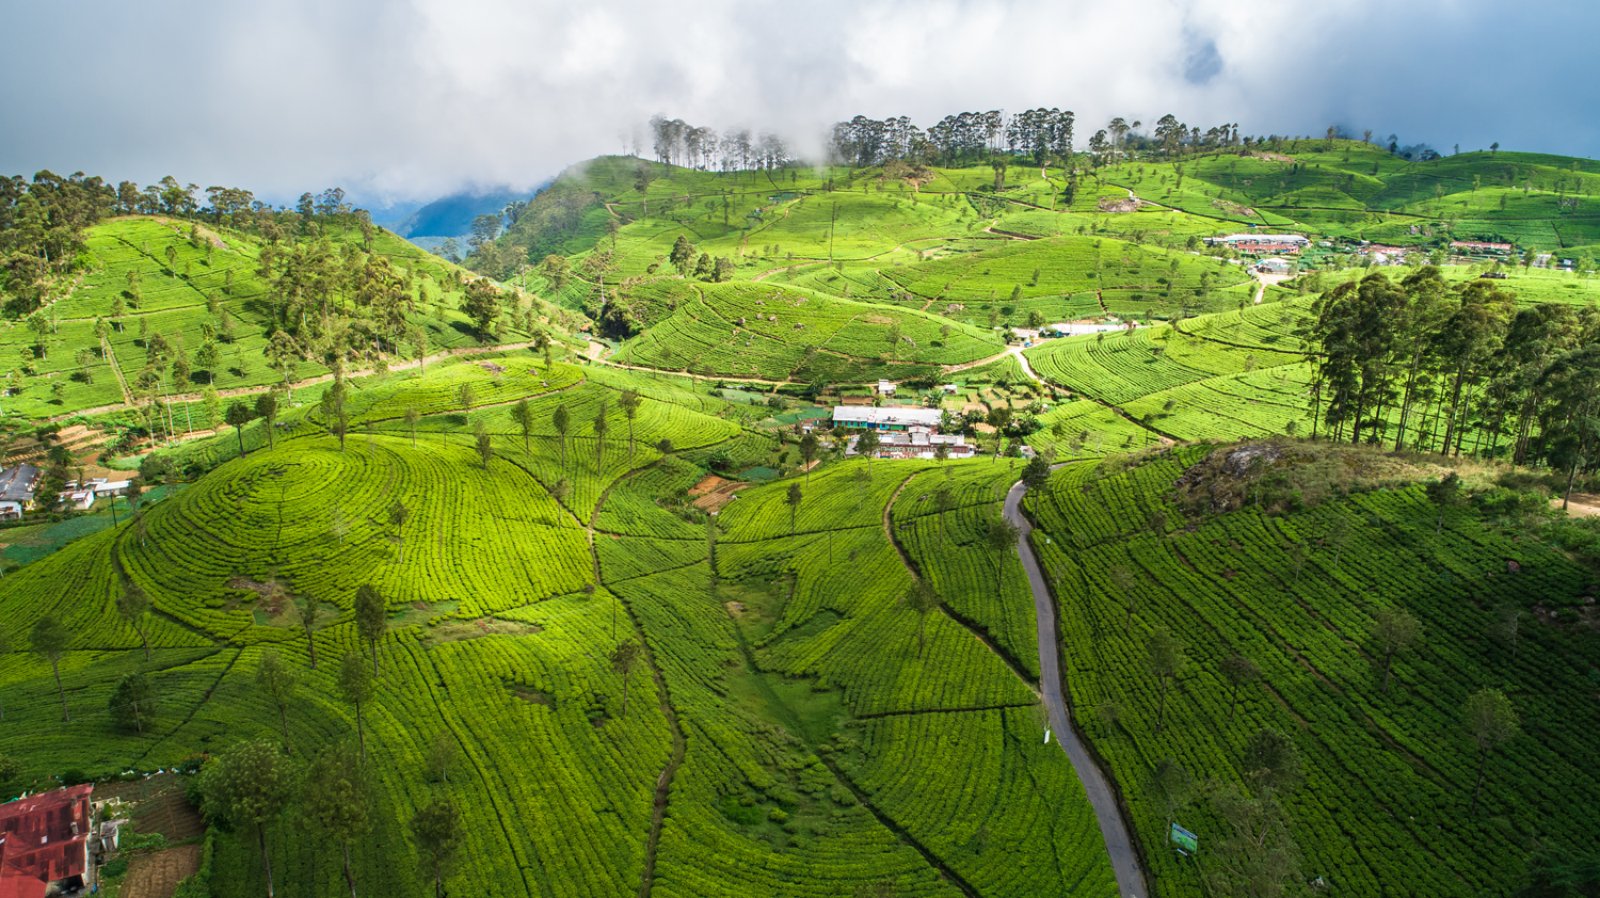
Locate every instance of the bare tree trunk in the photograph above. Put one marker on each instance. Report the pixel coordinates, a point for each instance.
(55, 667)
(349, 877)
(266, 859)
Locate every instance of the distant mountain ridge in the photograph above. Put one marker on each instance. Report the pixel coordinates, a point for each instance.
(452, 215)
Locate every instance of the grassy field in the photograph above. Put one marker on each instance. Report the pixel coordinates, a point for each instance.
(213, 288)
(792, 697)
(792, 725)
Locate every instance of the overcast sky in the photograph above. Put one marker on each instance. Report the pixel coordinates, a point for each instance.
(411, 99)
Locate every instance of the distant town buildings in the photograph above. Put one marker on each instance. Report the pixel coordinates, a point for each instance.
(17, 486)
(1475, 247)
(904, 431)
(1261, 244)
(884, 418)
(48, 843)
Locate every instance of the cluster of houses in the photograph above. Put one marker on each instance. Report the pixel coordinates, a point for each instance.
(903, 431)
(1261, 244)
(52, 843)
(19, 485)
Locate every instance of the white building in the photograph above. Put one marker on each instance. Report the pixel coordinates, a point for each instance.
(1078, 328)
(888, 417)
(16, 489)
(885, 388)
(922, 444)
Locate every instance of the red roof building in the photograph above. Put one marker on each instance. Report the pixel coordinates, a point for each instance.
(44, 838)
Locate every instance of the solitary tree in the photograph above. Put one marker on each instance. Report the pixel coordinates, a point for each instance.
(372, 618)
(436, 829)
(1255, 856)
(600, 428)
(356, 685)
(1491, 722)
(623, 658)
(412, 417)
(484, 444)
(335, 803)
(308, 621)
(1122, 581)
(867, 445)
(629, 402)
(133, 605)
(237, 416)
(467, 397)
(808, 453)
(1000, 537)
(1165, 655)
(277, 682)
(793, 501)
(1172, 784)
(48, 639)
(133, 702)
(561, 420)
(267, 411)
(481, 303)
(398, 515)
(1238, 671)
(440, 758)
(1395, 630)
(1444, 494)
(921, 599)
(1036, 473)
(1270, 761)
(944, 502)
(522, 413)
(246, 787)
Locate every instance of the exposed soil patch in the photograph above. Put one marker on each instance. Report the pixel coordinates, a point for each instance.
(1233, 208)
(458, 630)
(1583, 505)
(156, 874)
(1131, 204)
(736, 609)
(713, 492)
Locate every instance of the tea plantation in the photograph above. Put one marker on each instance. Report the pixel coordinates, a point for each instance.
(544, 537)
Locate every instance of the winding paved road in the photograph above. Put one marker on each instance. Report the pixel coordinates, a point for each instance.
(1113, 828)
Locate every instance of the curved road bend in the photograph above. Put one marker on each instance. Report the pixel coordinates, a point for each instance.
(1114, 829)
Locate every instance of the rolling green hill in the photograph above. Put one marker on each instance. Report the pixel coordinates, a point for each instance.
(641, 646)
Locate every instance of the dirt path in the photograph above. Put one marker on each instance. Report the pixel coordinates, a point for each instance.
(1583, 505)
(1125, 861)
(116, 370)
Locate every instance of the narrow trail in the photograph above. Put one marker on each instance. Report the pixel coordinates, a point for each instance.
(116, 370)
(230, 392)
(680, 742)
(1103, 796)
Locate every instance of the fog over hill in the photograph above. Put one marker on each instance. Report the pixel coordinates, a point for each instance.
(409, 102)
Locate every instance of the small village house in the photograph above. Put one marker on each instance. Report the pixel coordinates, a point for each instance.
(17, 486)
(45, 843)
(886, 418)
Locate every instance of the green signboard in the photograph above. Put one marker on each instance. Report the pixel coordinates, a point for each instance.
(1187, 843)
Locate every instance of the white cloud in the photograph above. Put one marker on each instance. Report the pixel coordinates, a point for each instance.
(416, 99)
